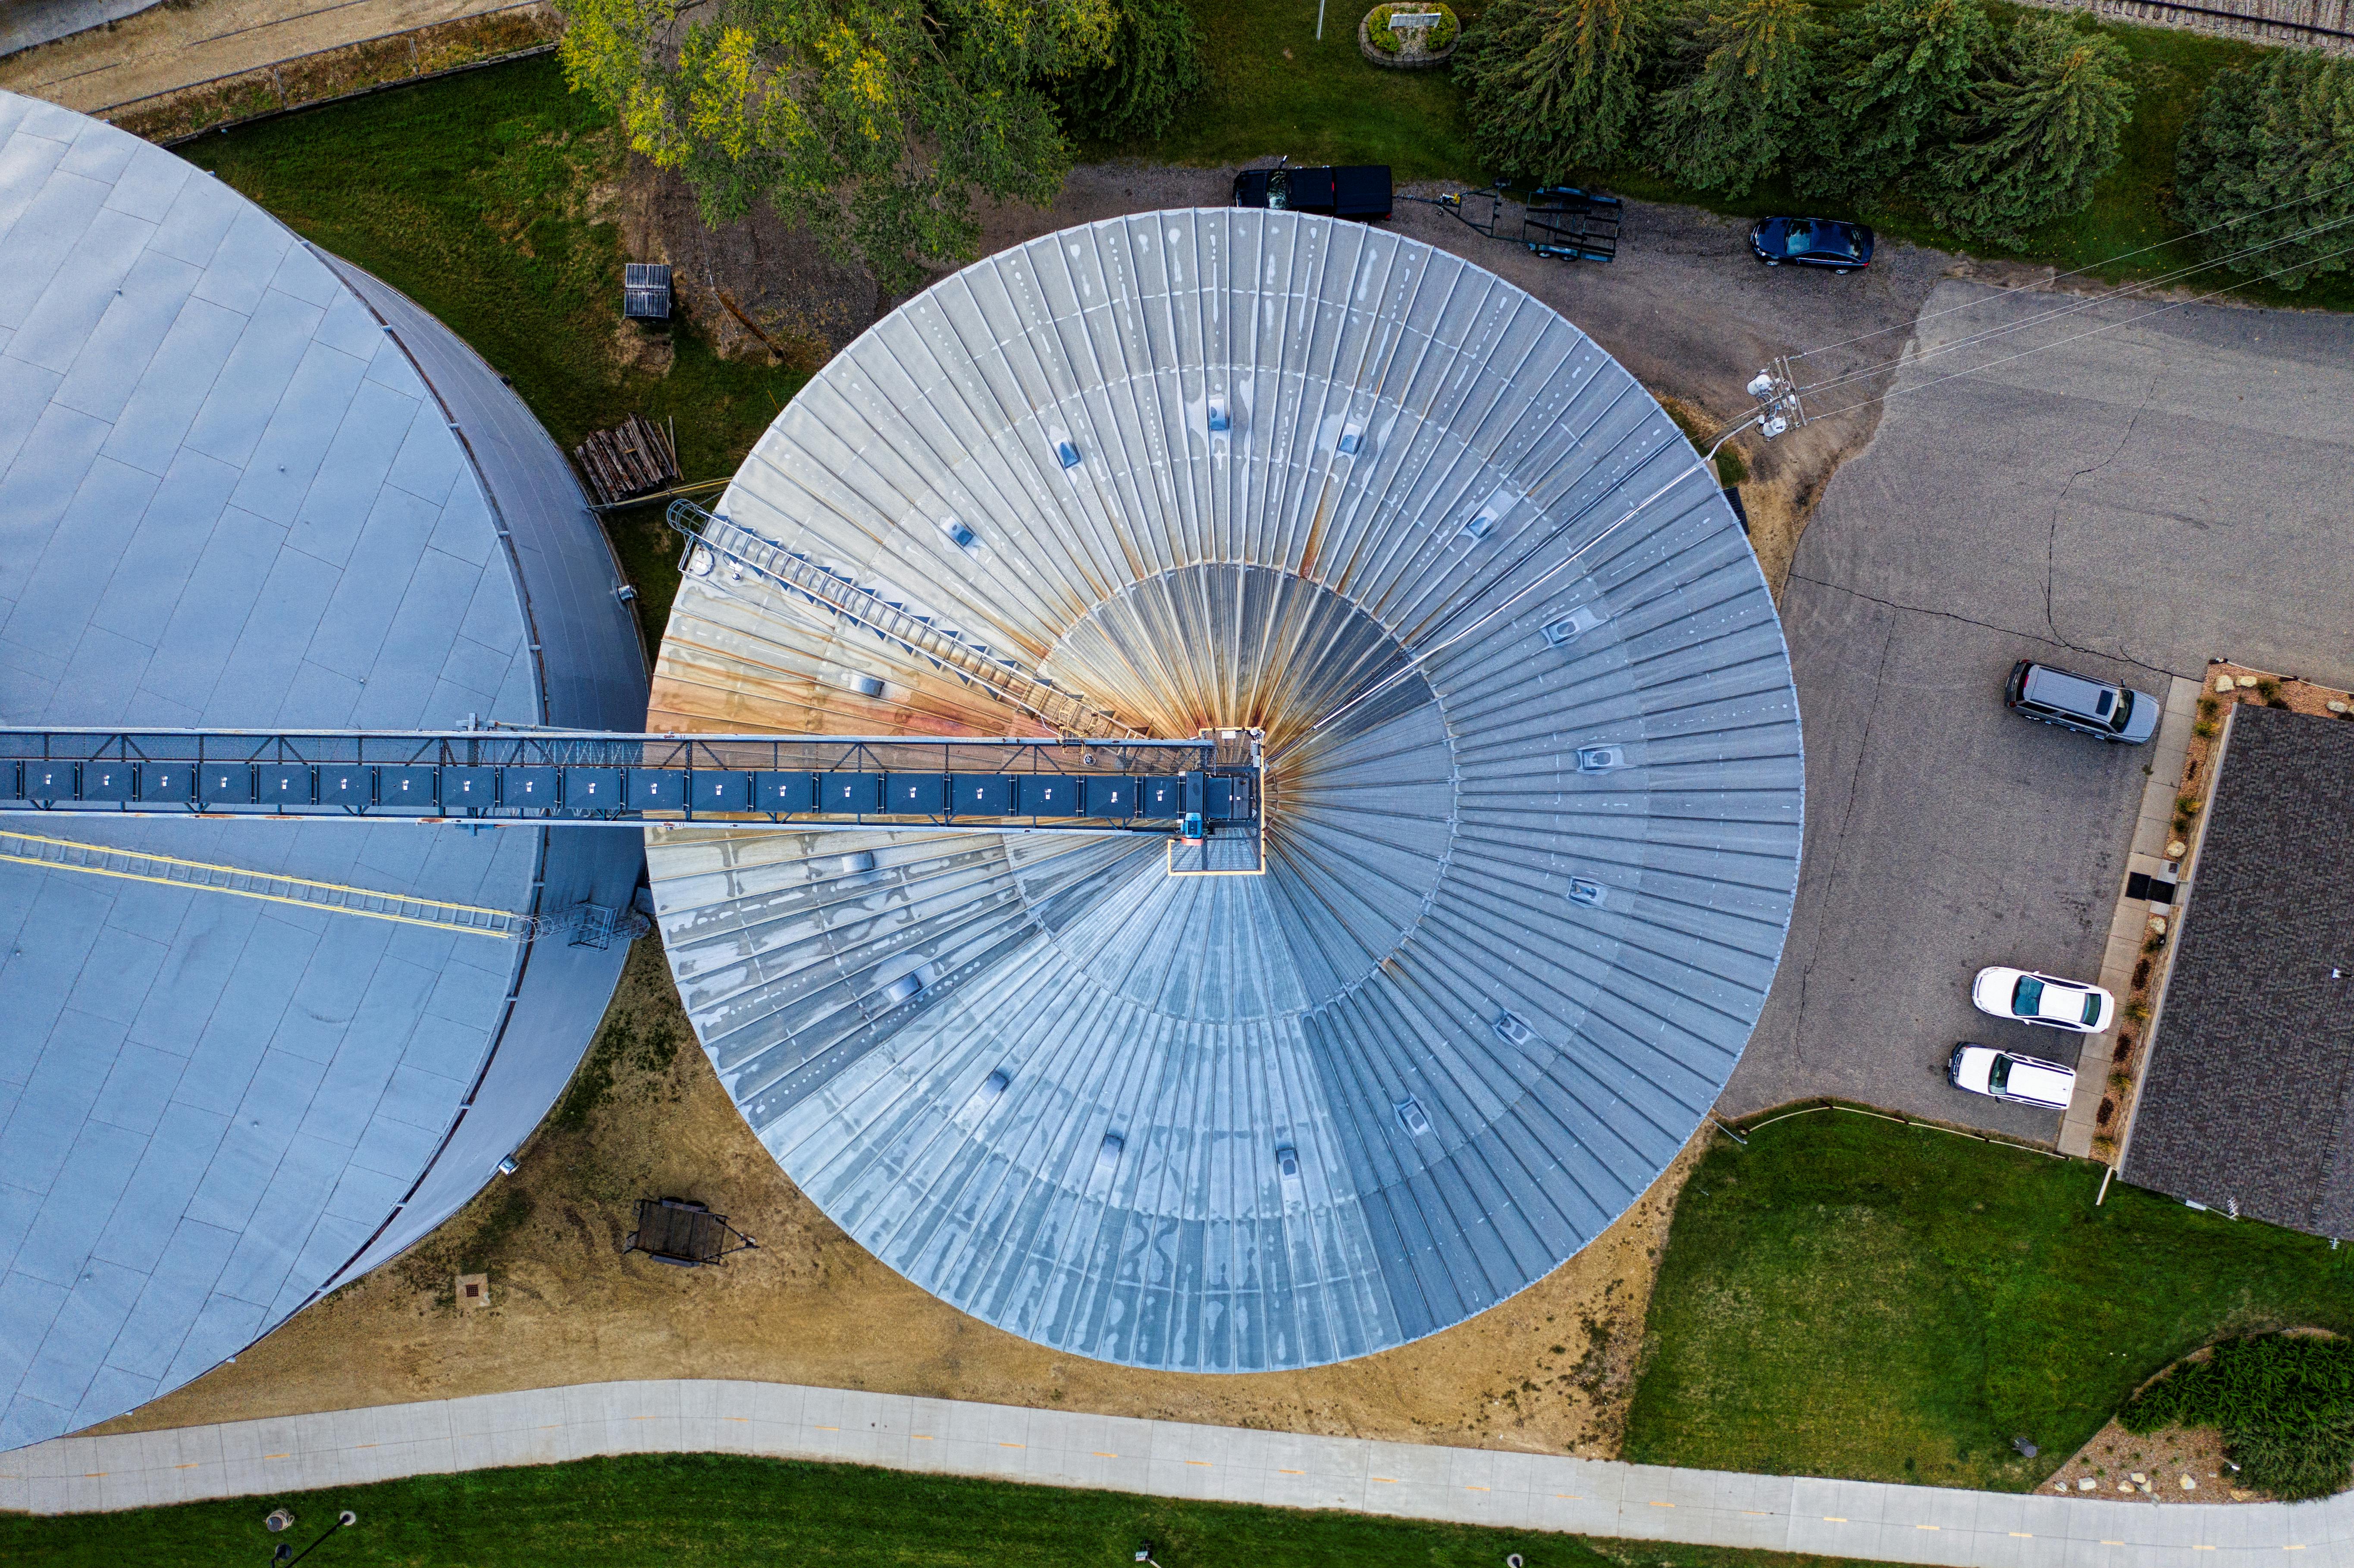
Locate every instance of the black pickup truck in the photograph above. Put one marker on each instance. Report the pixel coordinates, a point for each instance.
(1359, 190)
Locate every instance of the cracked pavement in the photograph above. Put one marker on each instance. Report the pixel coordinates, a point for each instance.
(2127, 505)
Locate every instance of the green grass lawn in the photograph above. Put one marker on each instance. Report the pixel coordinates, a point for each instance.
(487, 198)
(1274, 89)
(1848, 1297)
(710, 1509)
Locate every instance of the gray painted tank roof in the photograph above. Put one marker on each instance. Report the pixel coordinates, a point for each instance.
(1481, 996)
(226, 498)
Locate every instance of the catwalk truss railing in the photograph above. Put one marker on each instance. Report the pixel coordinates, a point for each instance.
(1186, 789)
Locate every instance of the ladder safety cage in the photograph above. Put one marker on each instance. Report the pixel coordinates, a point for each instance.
(553, 777)
(718, 547)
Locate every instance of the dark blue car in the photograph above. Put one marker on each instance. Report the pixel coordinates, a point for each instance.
(1812, 242)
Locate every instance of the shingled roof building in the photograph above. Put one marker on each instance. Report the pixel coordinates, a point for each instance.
(2247, 1105)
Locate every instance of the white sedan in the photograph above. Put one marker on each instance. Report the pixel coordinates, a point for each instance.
(2033, 997)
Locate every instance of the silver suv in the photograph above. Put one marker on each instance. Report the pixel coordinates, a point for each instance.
(2089, 707)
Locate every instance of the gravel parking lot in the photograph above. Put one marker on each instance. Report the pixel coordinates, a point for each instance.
(2127, 505)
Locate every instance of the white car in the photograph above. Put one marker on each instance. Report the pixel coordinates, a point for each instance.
(2033, 997)
(2022, 1080)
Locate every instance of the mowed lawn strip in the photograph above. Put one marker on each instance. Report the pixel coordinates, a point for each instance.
(489, 198)
(1848, 1297)
(713, 1509)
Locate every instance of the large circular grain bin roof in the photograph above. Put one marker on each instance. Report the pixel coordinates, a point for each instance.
(1518, 910)
(243, 483)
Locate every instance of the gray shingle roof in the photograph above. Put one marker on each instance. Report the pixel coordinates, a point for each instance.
(226, 497)
(2248, 1097)
(1481, 995)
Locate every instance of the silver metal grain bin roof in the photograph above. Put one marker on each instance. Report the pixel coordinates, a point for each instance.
(1519, 910)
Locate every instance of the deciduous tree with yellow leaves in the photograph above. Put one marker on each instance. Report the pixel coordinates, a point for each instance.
(875, 124)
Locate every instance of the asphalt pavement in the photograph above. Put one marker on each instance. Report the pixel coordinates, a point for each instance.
(2125, 498)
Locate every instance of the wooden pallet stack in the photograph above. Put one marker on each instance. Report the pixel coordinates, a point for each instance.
(634, 458)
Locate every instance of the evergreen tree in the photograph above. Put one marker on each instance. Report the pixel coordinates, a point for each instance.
(1155, 64)
(872, 122)
(2269, 153)
(2041, 129)
(1556, 85)
(1746, 95)
(1897, 78)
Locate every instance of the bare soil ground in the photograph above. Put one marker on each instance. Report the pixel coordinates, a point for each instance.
(1548, 1370)
(2115, 1456)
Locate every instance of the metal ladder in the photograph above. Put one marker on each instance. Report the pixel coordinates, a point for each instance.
(1066, 712)
(139, 865)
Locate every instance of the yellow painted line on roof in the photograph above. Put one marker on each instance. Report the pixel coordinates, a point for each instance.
(362, 1445)
(645, 1418)
(1659, 1505)
(189, 1466)
(1291, 1472)
(1834, 1519)
(1101, 1454)
(252, 893)
(1203, 1463)
(1475, 1489)
(743, 1418)
(92, 1474)
(1757, 1513)
(2203, 1548)
(2112, 1543)
(278, 1455)
(1013, 1445)
(1929, 1526)
(829, 1428)
(1386, 1480)
(2023, 1535)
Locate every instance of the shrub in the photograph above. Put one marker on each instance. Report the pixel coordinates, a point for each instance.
(1745, 97)
(2268, 689)
(1377, 27)
(2041, 129)
(2269, 154)
(1556, 85)
(1901, 71)
(1155, 64)
(2284, 1405)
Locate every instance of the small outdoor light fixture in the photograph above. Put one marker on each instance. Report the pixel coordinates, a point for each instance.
(286, 1554)
(1144, 1555)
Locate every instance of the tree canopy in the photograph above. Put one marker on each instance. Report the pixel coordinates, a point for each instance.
(1744, 96)
(2042, 128)
(2268, 159)
(872, 122)
(1556, 85)
(1900, 73)
(1154, 65)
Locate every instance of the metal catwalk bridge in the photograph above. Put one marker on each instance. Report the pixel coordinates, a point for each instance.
(1194, 788)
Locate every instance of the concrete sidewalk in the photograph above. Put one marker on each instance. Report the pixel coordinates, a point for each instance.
(1166, 1458)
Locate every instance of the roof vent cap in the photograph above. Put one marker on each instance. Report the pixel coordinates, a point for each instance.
(1411, 1118)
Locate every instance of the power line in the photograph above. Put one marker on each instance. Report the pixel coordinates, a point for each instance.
(2088, 267)
(2077, 307)
(2073, 337)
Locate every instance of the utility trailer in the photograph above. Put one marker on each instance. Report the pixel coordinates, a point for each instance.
(1560, 221)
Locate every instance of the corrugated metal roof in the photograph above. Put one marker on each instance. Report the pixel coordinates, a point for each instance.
(228, 496)
(1521, 910)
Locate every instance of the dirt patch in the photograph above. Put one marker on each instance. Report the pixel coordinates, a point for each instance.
(1546, 1371)
(759, 287)
(2115, 1456)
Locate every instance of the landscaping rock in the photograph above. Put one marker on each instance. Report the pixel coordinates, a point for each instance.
(2222, 685)
(2190, 1484)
